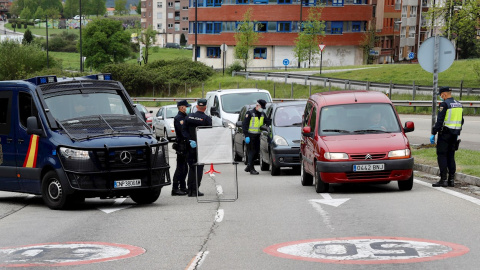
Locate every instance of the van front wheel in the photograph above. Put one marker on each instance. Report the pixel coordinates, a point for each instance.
(320, 186)
(146, 196)
(53, 192)
(305, 178)
(406, 184)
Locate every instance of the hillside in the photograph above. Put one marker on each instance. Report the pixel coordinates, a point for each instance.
(111, 3)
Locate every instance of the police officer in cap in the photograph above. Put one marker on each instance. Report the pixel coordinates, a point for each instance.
(254, 119)
(192, 121)
(448, 126)
(179, 187)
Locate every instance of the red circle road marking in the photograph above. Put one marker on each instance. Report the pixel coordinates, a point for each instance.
(454, 250)
(111, 251)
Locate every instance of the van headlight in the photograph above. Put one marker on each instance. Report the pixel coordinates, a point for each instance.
(396, 154)
(279, 140)
(70, 153)
(331, 156)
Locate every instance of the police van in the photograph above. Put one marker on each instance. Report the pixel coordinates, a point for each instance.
(76, 138)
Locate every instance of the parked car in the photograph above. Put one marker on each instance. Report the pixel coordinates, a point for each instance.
(239, 147)
(172, 45)
(225, 105)
(280, 142)
(148, 114)
(163, 122)
(77, 17)
(354, 136)
(188, 47)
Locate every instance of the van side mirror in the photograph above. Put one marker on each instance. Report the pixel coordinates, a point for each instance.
(32, 126)
(265, 128)
(214, 112)
(307, 132)
(239, 123)
(409, 126)
(160, 117)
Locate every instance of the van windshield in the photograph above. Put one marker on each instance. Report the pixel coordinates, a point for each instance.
(358, 119)
(233, 103)
(77, 105)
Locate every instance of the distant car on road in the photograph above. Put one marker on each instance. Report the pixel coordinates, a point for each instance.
(163, 122)
(172, 45)
(189, 47)
(77, 17)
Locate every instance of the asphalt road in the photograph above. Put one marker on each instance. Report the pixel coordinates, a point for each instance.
(421, 229)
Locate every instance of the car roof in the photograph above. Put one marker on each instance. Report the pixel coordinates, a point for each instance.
(290, 103)
(348, 97)
(236, 90)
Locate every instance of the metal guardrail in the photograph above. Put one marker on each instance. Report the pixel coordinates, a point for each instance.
(403, 103)
(349, 83)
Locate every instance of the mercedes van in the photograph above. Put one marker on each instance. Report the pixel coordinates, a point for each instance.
(352, 137)
(71, 139)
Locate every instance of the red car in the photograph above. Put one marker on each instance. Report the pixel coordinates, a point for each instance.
(148, 114)
(352, 137)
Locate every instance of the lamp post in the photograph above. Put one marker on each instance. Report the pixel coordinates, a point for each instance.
(394, 43)
(81, 56)
(46, 27)
(196, 30)
(300, 26)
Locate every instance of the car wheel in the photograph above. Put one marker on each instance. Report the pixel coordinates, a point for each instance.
(155, 134)
(263, 165)
(53, 192)
(275, 170)
(245, 155)
(297, 170)
(236, 157)
(305, 178)
(320, 186)
(406, 184)
(146, 196)
(165, 135)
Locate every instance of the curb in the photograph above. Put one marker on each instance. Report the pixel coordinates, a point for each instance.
(472, 180)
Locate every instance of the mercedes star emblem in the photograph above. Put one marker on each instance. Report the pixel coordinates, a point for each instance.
(126, 157)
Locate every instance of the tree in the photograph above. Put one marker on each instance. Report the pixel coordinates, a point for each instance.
(26, 14)
(27, 37)
(246, 38)
(52, 13)
(98, 7)
(313, 31)
(121, 7)
(139, 7)
(39, 14)
(71, 8)
(104, 42)
(183, 40)
(147, 37)
(368, 43)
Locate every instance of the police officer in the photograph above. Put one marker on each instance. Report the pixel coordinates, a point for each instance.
(192, 121)
(179, 187)
(254, 119)
(448, 126)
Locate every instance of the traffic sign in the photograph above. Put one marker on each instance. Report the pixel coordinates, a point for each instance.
(286, 62)
(446, 54)
(321, 46)
(411, 55)
(224, 47)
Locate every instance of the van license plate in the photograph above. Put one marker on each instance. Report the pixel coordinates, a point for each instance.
(368, 167)
(127, 183)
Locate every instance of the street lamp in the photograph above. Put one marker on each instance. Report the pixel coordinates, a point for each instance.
(46, 29)
(300, 27)
(81, 56)
(196, 30)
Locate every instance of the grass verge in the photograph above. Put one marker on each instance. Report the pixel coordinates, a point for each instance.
(467, 160)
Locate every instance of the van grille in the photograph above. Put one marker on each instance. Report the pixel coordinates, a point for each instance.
(368, 175)
(363, 156)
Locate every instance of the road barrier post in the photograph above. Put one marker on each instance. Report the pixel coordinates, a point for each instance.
(413, 95)
(310, 90)
(274, 85)
(461, 89)
(291, 91)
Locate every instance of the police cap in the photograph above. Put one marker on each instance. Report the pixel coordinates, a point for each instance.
(262, 103)
(183, 103)
(444, 89)
(202, 102)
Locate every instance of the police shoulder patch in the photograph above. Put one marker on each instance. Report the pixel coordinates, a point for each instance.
(441, 108)
(246, 115)
(181, 122)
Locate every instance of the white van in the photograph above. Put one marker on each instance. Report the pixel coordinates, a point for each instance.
(225, 105)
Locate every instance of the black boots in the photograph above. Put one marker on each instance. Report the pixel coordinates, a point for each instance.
(451, 180)
(442, 182)
(178, 192)
(193, 193)
(251, 170)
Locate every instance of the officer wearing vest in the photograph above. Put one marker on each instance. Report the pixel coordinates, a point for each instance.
(179, 187)
(254, 119)
(192, 121)
(448, 126)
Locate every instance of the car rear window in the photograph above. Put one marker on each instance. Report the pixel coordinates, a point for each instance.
(358, 119)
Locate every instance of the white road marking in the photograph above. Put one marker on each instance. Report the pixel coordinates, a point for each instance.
(219, 215)
(219, 190)
(323, 213)
(327, 199)
(449, 191)
(197, 261)
(113, 208)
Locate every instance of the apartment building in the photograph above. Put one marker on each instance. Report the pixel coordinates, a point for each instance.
(346, 22)
(169, 18)
(4, 7)
(388, 21)
(408, 32)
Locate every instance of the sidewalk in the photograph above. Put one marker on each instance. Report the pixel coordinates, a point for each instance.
(468, 179)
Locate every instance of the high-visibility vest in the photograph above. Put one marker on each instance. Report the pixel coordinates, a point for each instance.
(453, 116)
(255, 124)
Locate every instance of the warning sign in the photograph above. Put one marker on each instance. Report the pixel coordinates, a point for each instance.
(367, 250)
(65, 254)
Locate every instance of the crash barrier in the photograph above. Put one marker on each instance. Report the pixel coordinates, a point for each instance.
(353, 84)
(216, 152)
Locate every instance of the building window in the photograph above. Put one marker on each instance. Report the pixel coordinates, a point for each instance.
(337, 27)
(213, 3)
(144, 14)
(357, 2)
(159, 26)
(177, 26)
(213, 52)
(284, 26)
(149, 4)
(185, 29)
(284, 1)
(356, 26)
(177, 5)
(185, 18)
(170, 15)
(170, 25)
(197, 52)
(243, 2)
(337, 3)
(261, 27)
(308, 3)
(260, 53)
(170, 4)
(185, 8)
(159, 4)
(260, 2)
(159, 15)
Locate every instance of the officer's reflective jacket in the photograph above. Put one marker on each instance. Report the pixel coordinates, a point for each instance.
(253, 121)
(450, 115)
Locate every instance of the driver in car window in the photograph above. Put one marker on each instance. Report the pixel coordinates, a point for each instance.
(376, 121)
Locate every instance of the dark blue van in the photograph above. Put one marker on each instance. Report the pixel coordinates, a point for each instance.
(77, 138)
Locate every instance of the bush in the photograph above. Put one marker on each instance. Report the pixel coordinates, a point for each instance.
(235, 66)
(56, 43)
